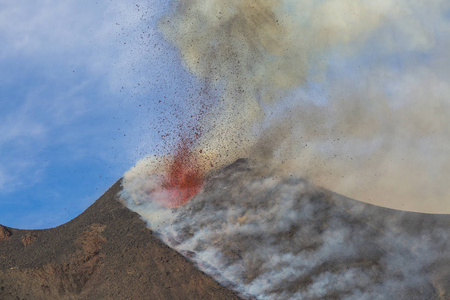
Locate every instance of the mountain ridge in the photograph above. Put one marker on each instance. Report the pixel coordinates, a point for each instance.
(106, 252)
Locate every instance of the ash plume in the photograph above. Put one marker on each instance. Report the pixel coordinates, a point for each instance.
(347, 95)
(254, 52)
(377, 133)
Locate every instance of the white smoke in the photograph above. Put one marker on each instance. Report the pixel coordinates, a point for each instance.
(273, 237)
(352, 95)
(378, 130)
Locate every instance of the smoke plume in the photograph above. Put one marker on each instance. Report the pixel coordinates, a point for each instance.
(350, 94)
(274, 237)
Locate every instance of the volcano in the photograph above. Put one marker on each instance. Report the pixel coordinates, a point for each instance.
(105, 253)
(271, 238)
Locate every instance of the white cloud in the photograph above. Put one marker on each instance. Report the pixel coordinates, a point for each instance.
(63, 65)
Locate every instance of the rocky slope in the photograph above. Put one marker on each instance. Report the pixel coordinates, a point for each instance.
(105, 253)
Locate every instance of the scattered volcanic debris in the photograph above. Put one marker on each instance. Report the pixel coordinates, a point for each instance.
(278, 84)
(184, 178)
(260, 228)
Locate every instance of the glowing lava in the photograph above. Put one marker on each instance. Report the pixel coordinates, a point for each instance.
(183, 171)
(184, 178)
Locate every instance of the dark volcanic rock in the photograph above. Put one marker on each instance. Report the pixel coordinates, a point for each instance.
(4, 233)
(105, 253)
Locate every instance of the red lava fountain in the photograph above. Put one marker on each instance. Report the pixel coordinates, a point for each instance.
(184, 178)
(184, 173)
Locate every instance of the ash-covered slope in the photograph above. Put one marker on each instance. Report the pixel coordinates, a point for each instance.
(273, 237)
(105, 253)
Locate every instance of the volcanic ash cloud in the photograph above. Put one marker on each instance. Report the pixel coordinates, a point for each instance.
(379, 135)
(254, 52)
(273, 237)
(378, 132)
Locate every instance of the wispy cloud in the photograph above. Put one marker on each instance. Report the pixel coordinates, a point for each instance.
(63, 67)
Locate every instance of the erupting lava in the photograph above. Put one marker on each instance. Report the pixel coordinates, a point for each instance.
(184, 178)
(184, 173)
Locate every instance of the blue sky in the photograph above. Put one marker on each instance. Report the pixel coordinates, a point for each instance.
(77, 85)
(84, 84)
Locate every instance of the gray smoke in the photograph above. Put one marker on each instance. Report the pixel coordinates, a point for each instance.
(353, 96)
(275, 237)
(378, 131)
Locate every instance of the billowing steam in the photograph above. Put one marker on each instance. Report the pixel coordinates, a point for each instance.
(278, 237)
(378, 130)
(255, 52)
(353, 96)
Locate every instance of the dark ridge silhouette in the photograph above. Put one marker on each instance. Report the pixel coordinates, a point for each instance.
(105, 253)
